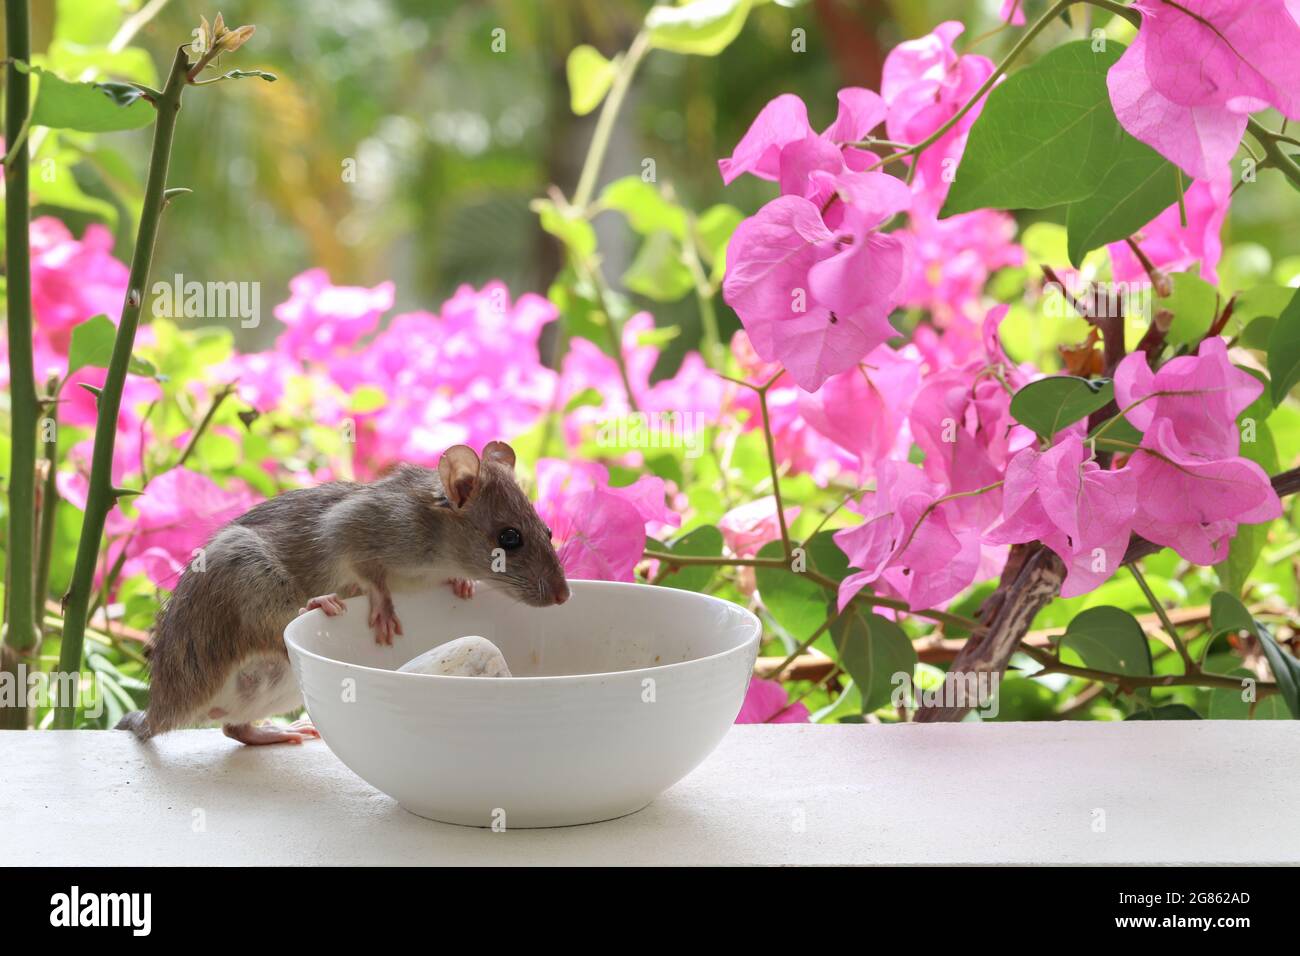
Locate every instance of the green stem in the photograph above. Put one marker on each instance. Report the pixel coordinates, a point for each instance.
(771, 459)
(21, 633)
(1053, 665)
(49, 506)
(608, 114)
(100, 496)
(712, 342)
(1189, 666)
(872, 600)
(1270, 141)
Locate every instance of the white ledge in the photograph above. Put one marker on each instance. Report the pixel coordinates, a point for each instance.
(1215, 792)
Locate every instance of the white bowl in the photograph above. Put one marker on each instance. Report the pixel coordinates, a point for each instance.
(617, 695)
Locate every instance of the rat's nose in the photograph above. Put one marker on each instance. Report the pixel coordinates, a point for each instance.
(561, 591)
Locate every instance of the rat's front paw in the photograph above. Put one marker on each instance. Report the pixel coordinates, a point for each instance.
(331, 604)
(462, 587)
(384, 622)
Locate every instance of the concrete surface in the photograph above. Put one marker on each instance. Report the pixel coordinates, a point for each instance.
(1141, 792)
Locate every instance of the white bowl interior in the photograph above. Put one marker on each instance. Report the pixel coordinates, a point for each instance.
(601, 629)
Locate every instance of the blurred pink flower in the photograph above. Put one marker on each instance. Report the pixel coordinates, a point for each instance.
(766, 702)
(470, 374)
(325, 320)
(72, 280)
(746, 528)
(924, 83)
(952, 259)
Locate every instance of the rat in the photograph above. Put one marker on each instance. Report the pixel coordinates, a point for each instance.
(218, 648)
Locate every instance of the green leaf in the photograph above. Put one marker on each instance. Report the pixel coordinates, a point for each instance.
(1227, 614)
(1228, 704)
(92, 343)
(1109, 639)
(89, 107)
(1046, 135)
(703, 27)
(1284, 351)
(713, 231)
(588, 396)
(658, 271)
(571, 229)
(646, 210)
(705, 541)
(1053, 403)
(1165, 712)
(799, 604)
(590, 76)
(873, 650)
(1138, 185)
(1194, 304)
(250, 75)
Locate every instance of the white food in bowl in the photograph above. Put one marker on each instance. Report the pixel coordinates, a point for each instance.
(468, 656)
(616, 695)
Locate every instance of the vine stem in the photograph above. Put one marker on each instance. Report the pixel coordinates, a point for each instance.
(605, 123)
(874, 600)
(24, 408)
(1189, 666)
(1054, 665)
(101, 497)
(1268, 141)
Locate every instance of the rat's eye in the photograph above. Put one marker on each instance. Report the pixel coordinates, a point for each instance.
(510, 539)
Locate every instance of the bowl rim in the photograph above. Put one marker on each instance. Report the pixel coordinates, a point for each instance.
(750, 643)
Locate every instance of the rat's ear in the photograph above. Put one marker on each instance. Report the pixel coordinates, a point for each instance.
(499, 451)
(458, 469)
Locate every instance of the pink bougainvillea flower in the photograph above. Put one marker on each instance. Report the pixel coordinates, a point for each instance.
(746, 528)
(951, 261)
(470, 374)
(324, 320)
(1201, 397)
(599, 531)
(1082, 512)
(766, 702)
(72, 280)
(816, 299)
(1197, 69)
(1013, 12)
(259, 377)
(1173, 248)
(784, 121)
(1199, 500)
(924, 83)
(911, 540)
(177, 513)
(864, 410)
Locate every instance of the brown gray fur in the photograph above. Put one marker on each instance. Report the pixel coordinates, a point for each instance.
(227, 616)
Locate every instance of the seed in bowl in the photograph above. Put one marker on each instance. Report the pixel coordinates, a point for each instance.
(470, 656)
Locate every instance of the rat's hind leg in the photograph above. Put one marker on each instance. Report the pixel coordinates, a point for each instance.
(261, 685)
(256, 735)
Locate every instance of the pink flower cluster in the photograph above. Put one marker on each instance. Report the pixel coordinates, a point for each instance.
(931, 531)
(811, 275)
(1198, 68)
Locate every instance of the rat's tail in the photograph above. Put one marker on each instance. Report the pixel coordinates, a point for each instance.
(138, 723)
